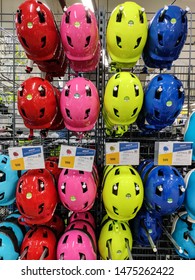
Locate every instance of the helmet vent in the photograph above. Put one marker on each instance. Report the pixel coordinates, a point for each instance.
(138, 43)
(66, 171)
(134, 112)
(85, 205)
(41, 185)
(81, 172)
(67, 18)
(4, 160)
(2, 195)
(45, 234)
(88, 91)
(43, 40)
(135, 210)
(2, 176)
(65, 239)
(41, 207)
(157, 208)
(23, 112)
(141, 18)
(158, 191)
(31, 234)
(87, 114)
(115, 189)
(158, 94)
(79, 239)
(115, 210)
(68, 113)
(88, 38)
(123, 226)
(136, 88)
(82, 256)
(117, 171)
(137, 189)
(88, 18)
(20, 187)
(132, 171)
(84, 187)
(24, 42)
(160, 39)
(69, 41)
(118, 41)
(63, 188)
(19, 16)
(116, 112)
(42, 112)
(178, 41)
(156, 114)
(160, 173)
(160, 78)
(110, 228)
(115, 91)
(67, 89)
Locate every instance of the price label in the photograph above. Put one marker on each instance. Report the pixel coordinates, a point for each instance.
(24, 158)
(77, 158)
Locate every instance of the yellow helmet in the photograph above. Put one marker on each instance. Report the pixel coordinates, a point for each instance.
(122, 192)
(123, 100)
(126, 34)
(115, 240)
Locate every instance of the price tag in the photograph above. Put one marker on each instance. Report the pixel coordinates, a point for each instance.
(173, 153)
(24, 158)
(122, 153)
(77, 158)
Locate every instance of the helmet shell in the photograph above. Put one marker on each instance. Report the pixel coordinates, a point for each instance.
(79, 32)
(37, 30)
(189, 135)
(36, 196)
(122, 192)
(76, 92)
(126, 33)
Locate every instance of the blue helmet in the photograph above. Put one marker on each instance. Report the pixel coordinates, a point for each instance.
(183, 232)
(8, 181)
(189, 201)
(164, 190)
(163, 101)
(189, 135)
(167, 33)
(15, 228)
(145, 221)
(9, 248)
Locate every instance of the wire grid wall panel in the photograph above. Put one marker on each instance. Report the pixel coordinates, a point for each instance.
(13, 62)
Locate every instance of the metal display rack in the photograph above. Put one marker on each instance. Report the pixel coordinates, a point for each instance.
(13, 133)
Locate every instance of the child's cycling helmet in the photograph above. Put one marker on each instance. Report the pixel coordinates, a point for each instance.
(36, 30)
(76, 92)
(163, 101)
(122, 192)
(126, 34)
(9, 247)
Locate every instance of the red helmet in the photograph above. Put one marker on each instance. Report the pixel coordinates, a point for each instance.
(51, 164)
(36, 30)
(37, 103)
(39, 243)
(36, 196)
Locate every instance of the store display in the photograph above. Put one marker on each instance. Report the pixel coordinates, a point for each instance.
(82, 80)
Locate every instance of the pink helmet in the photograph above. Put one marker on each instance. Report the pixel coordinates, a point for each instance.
(80, 104)
(85, 216)
(76, 244)
(85, 226)
(87, 65)
(77, 190)
(79, 32)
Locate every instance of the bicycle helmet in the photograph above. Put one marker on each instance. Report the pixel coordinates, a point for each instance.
(189, 193)
(126, 34)
(77, 190)
(167, 34)
(76, 92)
(85, 216)
(183, 232)
(8, 181)
(123, 100)
(16, 228)
(86, 227)
(36, 196)
(144, 224)
(36, 30)
(163, 101)
(76, 244)
(79, 32)
(189, 135)
(164, 190)
(87, 65)
(57, 224)
(37, 103)
(39, 244)
(115, 240)
(9, 248)
(122, 192)
(51, 164)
